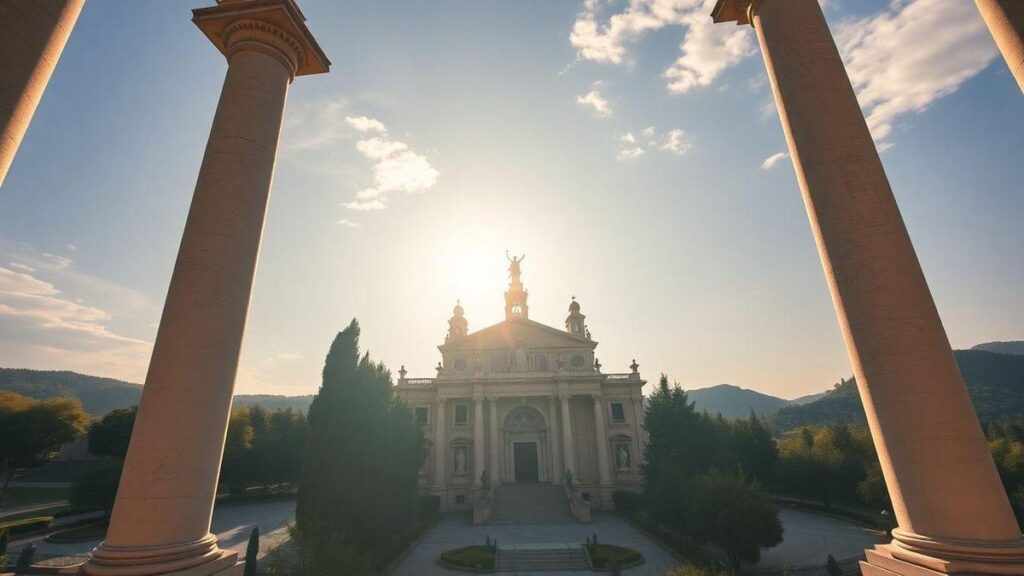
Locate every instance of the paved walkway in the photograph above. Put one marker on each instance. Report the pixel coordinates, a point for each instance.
(456, 530)
(810, 538)
(232, 524)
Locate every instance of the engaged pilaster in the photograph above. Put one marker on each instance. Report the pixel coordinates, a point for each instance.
(568, 452)
(161, 519)
(1005, 19)
(495, 470)
(556, 456)
(478, 439)
(33, 34)
(440, 449)
(953, 513)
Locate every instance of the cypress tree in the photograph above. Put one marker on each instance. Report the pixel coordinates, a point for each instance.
(363, 454)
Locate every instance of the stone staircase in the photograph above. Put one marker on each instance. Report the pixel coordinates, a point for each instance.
(530, 504)
(542, 558)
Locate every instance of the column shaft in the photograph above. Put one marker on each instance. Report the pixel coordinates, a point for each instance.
(170, 474)
(1005, 19)
(440, 447)
(556, 457)
(604, 472)
(935, 459)
(568, 452)
(32, 37)
(494, 440)
(479, 464)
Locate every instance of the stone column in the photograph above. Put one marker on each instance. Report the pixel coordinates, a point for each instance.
(604, 472)
(568, 452)
(161, 519)
(440, 448)
(478, 439)
(556, 459)
(32, 37)
(494, 442)
(953, 513)
(1005, 19)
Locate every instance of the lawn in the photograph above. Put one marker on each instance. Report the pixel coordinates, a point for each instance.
(84, 533)
(479, 557)
(605, 556)
(25, 496)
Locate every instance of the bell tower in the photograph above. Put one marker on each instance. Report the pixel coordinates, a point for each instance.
(574, 323)
(515, 296)
(458, 327)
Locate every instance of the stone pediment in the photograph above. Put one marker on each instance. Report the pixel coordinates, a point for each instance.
(506, 335)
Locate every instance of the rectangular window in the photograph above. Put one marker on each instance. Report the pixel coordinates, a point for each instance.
(461, 414)
(421, 415)
(618, 413)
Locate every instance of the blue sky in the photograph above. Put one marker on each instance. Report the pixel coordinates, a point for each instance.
(626, 148)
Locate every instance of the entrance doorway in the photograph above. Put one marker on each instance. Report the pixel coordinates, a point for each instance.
(525, 461)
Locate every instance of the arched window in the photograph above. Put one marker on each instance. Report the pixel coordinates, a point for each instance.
(517, 309)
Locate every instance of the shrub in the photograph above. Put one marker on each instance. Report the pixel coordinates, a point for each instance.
(696, 570)
(604, 556)
(428, 507)
(15, 527)
(98, 488)
(626, 501)
(480, 557)
(320, 553)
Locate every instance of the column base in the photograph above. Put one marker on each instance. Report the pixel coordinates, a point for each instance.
(895, 560)
(200, 558)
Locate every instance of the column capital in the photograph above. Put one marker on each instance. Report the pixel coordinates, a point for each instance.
(739, 11)
(597, 396)
(275, 27)
(564, 396)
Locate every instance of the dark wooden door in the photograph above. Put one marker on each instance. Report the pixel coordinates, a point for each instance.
(526, 461)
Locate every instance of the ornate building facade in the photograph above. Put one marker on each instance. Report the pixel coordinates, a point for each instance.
(525, 402)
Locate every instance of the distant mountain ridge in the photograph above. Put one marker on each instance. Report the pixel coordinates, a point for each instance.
(101, 395)
(734, 402)
(994, 380)
(1012, 347)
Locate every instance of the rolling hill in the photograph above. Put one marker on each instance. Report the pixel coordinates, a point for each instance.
(101, 395)
(1013, 347)
(734, 402)
(995, 382)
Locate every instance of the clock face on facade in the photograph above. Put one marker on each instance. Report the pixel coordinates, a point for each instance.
(460, 364)
(577, 361)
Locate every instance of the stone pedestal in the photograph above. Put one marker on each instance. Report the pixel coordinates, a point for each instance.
(32, 37)
(952, 511)
(161, 519)
(1005, 19)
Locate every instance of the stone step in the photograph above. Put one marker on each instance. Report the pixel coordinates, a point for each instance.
(530, 504)
(542, 558)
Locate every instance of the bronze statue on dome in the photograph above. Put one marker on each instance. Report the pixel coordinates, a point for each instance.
(513, 268)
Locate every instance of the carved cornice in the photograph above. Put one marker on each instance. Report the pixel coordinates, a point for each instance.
(255, 35)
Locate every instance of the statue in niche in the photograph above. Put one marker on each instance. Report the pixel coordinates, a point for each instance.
(622, 457)
(460, 460)
(520, 363)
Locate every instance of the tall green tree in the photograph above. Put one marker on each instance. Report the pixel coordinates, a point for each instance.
(29, 427)
(109, 436)
(363, 454)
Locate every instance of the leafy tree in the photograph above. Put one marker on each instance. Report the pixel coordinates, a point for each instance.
(110, 435)
(29, 427)
(735, 513)
(98, 488)
(358, 485)
(236, 471)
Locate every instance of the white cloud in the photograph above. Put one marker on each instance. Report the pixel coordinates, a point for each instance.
(21, 267)
(349, 223)
(314, 125)
(649, 132)
(379, 148)
(677, 142)
(630, 153)
(73, 247)
(911, 54)
(396, 168)
(705, 50)
(365, 124)
(628, 138)
(595, 101)
(772, 160)
(43, 328)
(365, 205)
